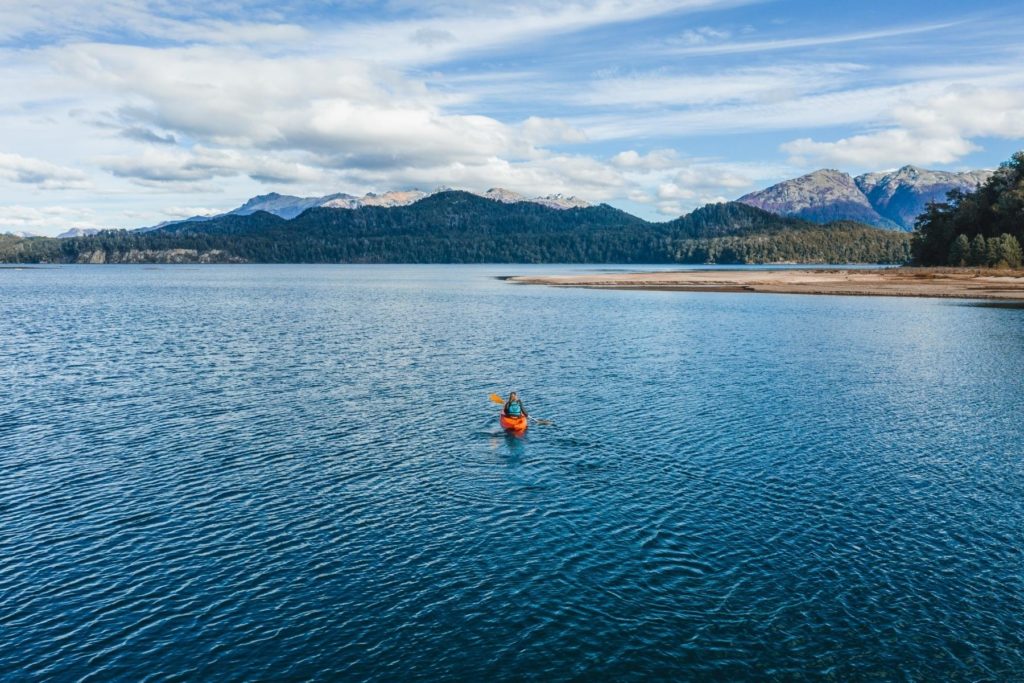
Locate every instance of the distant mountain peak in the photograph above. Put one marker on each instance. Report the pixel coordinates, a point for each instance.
(289, 206)
(500, 194)
(890, 199)
(827, 173)
(561, 201)
(270, 196)
(824, 195)
(902, 195)
(78, 232)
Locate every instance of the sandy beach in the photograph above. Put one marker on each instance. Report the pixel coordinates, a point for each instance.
(916, 282)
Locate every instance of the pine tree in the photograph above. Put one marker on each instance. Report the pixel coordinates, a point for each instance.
(979, 251)
(960, 252)
(1010, 251)
(993, 252)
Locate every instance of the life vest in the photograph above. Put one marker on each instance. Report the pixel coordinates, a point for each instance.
(514, 408)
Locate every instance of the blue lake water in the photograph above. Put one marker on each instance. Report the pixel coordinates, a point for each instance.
(294, 472)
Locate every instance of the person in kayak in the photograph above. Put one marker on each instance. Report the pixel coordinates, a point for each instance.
(514, 407)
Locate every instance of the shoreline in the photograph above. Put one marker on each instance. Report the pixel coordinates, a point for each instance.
(937, 283)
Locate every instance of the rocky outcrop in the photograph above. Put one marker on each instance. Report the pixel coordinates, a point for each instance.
(158, 256)
(98, 256)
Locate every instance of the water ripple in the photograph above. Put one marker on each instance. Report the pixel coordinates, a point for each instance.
(294, 473)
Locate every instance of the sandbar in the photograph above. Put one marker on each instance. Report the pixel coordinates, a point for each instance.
(946, 283)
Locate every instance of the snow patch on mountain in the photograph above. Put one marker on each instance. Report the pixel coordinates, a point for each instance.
(561, 201)
(500, 194)
(78, 232)
(387, 199)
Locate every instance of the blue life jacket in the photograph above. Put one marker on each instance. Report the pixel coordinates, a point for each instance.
(515, 408)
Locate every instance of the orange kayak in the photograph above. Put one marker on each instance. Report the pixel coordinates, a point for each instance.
(514, 424)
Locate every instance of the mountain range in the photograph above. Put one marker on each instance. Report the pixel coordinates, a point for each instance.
(289, 206)
(887, 199)
(461, 227)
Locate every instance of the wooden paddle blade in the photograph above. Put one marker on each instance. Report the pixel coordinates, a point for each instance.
(497, 399)
(541, 421)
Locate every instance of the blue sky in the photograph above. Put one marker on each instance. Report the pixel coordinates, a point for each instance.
(147, 111)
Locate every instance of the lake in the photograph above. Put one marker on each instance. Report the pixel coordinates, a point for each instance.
(294, 472)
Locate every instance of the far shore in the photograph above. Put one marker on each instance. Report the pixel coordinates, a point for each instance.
(946, 283)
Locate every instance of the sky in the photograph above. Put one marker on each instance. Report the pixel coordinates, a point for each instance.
(127, 113)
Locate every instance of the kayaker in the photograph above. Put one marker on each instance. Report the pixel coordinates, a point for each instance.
(514, 407)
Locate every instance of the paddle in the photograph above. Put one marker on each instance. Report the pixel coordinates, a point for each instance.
(536, 420)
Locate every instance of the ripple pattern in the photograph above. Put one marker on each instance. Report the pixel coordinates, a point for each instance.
(293, 473)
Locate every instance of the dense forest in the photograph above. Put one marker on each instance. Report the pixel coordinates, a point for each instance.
(981, 228)
(458, 227)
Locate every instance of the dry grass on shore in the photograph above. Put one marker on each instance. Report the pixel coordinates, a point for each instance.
(960, 283)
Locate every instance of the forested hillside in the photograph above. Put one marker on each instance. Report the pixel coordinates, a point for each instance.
(982, 228)
(458, 227)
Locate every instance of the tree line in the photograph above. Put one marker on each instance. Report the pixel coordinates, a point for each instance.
(996, 252)
(981, 228)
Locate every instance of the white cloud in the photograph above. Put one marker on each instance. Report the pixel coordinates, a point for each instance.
(184, 20)
(42, 174)
(716, 176)
(674, 191)
(544, 131)
(188, 212)
(468, 28)
(658, 159)
(433, 31)
(937, 130)
(986, 107)
(749, 85)
(294, 124)
(46, 220)
(672, 209)
(879, 150)
(811, 41)
(699, 36)
(432, 36)
(201, 163)
(344, 112)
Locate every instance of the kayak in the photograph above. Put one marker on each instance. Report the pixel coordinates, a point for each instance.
(514, 424)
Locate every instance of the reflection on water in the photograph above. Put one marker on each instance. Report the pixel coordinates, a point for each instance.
(996, 304)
